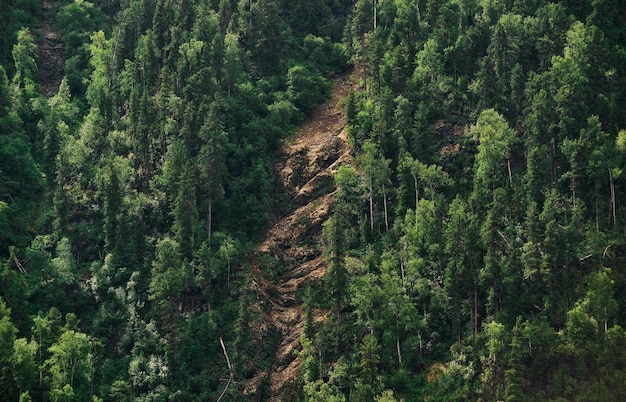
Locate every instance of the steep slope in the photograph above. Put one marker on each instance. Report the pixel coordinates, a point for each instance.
(49, 53)
(304, 169)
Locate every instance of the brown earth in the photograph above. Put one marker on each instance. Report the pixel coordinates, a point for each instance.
(49, 57)
(304, 169)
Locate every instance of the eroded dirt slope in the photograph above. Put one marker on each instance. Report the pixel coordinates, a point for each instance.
(304, 170)
(49, 55)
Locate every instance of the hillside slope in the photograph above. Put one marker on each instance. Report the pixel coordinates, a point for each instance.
(50, 53)
(304, 170)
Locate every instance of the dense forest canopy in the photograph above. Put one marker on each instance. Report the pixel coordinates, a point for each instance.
(476, 246)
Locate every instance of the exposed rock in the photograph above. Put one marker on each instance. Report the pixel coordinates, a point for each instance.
(304, 170)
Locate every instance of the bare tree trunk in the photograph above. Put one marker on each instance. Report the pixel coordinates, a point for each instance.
(553, 163)
(338, 307)
(613, 203)
(574, 191)
(209, 225)
(230, 369)
(597, 207)
(398, 342)
(385, 207)
(228, 271)
(319, 356)
(475, 329)
(508, 163)
(417, 196)
(363, 61)
(371, 207)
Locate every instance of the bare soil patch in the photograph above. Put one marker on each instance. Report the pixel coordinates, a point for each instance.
(304, 170)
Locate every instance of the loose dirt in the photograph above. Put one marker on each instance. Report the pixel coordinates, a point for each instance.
(49, 57)
(304, 169)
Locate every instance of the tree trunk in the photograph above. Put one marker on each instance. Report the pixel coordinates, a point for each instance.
(385, 207)
(363, 61)
(475, 329)
(228, 271)
(595, 191)
(338, 307)
(209, 224)
(613, 204)
(371, 208)
(508, 163)
(375, 13)
(417, 196)
(553, 163)
(230, 370)
(398, 343)
(457, 308)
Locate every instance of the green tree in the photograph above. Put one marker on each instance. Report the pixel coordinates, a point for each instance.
(64, 263)
(24, 367)
(592, 158)
(70, 365)
(398, 315)
(600, 299)
(368, 359)
(495, 142)
(77, 20)
(512, 374)
(170, 281)
(20, 177)
(185, 212)
(319, 391)
(376, 174)
(306, 88)
(337, 277)
(493, 373)
(228, 250)
(23, 56)
(45, 331)
(461, 278)
(8, 333)
(559, 252)
(61, 117)
(361, 26)
(99, 90)
(234, 58)
(211, 161)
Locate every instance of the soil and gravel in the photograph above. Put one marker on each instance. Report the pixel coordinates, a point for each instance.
(304, 171)
(49, 55)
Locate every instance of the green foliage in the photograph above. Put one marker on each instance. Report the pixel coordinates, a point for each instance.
(306, 88)
(70, 366)
(23, 53)
(324, 55)
(488, 127)
(23, 361)
(7, 340)
(20, 177)
(475, 247)
(495, 140)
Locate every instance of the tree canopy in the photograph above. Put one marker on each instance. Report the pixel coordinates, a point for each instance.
(474, 248)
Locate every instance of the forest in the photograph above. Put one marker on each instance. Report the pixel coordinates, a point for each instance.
(475, 247)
